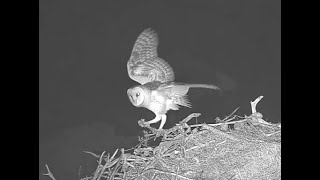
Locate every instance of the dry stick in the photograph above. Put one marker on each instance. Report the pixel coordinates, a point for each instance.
(185, 120)
(226, 118)
(254, 104)
(118, 162)
(87, 178)
(79, 172)
(233, 122)
(96, 174)
(256, 115)
(93, 154)
(49, 173)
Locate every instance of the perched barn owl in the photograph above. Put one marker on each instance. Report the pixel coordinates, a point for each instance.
(157, 91)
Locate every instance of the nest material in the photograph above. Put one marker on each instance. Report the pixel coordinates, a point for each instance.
(251, 149)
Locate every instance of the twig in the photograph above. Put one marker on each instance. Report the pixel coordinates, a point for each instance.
(254, 104)
(49, 173)
(226, 118)
(218, 124)
(93, 154)
(79, 172)
(256, 117)
(98, 170)
(185, 120)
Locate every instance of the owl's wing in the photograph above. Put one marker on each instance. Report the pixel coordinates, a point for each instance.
(176, 92)
(144, 64)
(174, 88)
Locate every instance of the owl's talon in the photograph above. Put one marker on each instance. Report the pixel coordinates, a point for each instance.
(159, 132)
(142, 123)
(141, 120)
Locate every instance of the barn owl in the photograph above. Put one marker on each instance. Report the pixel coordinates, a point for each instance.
(157, 91)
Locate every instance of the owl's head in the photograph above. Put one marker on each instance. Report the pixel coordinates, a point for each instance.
(136, 96)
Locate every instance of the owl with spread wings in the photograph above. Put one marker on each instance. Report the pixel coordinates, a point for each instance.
(157, 91)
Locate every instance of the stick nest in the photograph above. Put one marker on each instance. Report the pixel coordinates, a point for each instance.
(233, 148)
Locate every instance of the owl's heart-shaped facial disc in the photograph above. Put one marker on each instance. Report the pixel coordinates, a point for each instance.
(136, 96)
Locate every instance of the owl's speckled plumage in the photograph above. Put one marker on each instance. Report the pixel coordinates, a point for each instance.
(157, 91)
(144, 64)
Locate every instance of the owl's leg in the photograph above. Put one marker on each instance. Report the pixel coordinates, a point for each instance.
(155, 120)
(163, 121)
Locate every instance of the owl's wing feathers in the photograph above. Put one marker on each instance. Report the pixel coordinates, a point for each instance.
(145, 46)
(160, 70)
(144, 64)
(177, 93)
(182, 101)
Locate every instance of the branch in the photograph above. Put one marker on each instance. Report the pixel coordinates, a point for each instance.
(49, 173)
(254, 104)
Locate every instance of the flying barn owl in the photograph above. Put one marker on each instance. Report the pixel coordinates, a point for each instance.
(157, 91)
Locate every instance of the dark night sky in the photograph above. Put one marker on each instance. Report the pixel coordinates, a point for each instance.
(84, 47)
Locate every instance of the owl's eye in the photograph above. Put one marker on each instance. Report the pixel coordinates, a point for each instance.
(138, 94)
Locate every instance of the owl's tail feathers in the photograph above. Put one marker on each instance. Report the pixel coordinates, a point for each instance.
(208, 86)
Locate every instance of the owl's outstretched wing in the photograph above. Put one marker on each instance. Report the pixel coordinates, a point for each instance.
(176, 92)
(144, 64)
